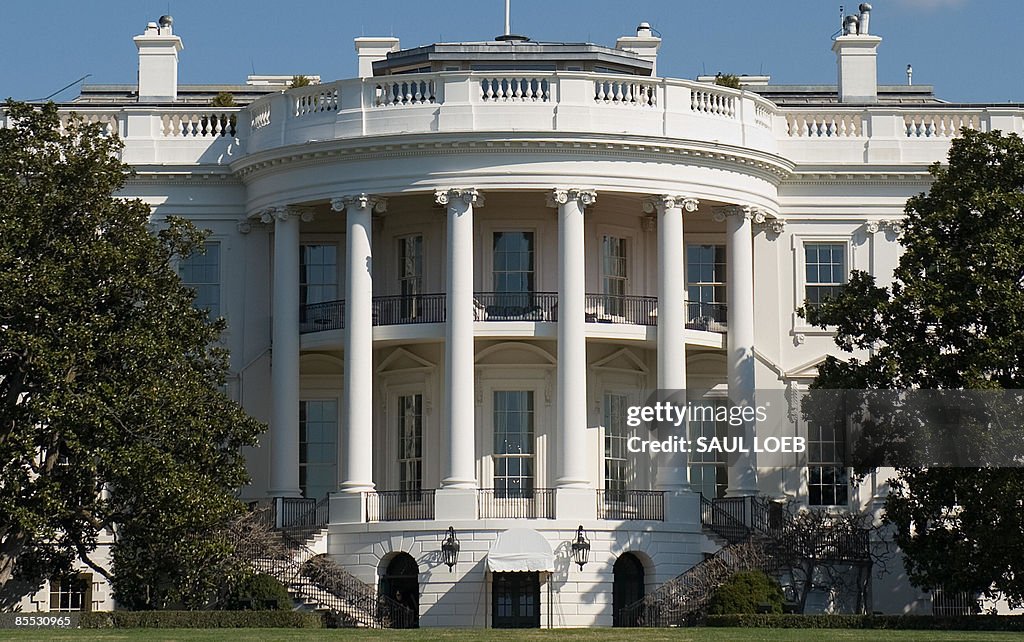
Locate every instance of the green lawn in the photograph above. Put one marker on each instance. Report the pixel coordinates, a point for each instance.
(446, 635)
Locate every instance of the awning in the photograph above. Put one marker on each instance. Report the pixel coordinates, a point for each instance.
(520, 550)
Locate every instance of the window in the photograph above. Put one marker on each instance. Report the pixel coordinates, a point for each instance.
(709, 474)
(201, 272)
(410, 273)
(410, 443)
(825, 265)
(513, 262)
(705, 273)
(617, 472)
(318, 447)
(318, 277)
(513, 443)
(827, 480)
(71, 594)
(613, 274)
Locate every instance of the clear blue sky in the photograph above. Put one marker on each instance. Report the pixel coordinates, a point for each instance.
(971, 50)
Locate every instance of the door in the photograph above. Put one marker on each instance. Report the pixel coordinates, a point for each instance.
(401, 583)
(515, 602)
(627, 588)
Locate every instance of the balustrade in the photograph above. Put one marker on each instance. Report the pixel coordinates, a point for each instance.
(515, 89)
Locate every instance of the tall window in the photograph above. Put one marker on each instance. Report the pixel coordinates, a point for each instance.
(513, 262)
(318, 447)
(613, 274)
(71, 593)
(705, 273)
(410, 443)
(825, 265)
(318, 278)
(410, 273)
(617, 472)
(709, 474)
(201, 272)
(513, 443)
(827, 481)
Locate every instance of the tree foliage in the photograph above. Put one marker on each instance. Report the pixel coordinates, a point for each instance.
(112, 416)
(953, 319)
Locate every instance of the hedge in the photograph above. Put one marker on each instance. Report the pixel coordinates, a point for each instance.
(908, 622)
(201, 620)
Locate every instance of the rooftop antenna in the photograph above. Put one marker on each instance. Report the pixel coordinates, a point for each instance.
(508, 17)
(70, 84)
(910, 75)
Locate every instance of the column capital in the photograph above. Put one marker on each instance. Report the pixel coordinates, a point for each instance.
(747, 212)
(361, 201)
(894, 227)
(561, 196)
(470, 196)
(284, 212)
(662, 202)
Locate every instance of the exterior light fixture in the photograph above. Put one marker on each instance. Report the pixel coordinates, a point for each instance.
(450, 548)
(581, 548)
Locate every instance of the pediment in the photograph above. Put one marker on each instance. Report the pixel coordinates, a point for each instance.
(622, 360)
(514, 354)
(401, 360)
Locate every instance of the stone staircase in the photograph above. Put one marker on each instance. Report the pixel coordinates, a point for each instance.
(298, 559)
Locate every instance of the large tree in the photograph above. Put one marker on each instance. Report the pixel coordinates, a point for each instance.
(953, 319)
(112, 414)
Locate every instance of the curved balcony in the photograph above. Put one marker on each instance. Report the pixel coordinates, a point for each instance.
(511, 306)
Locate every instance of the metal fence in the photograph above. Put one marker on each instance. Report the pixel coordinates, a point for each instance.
(499, 503)
(399, 505)
(631, 504)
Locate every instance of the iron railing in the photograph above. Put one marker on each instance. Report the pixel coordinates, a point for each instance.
(725, 517)
(515, 306)
(627, 309)
(709, 317)
(405, 309)
(399, 505)
(500, 503)
(631, 504)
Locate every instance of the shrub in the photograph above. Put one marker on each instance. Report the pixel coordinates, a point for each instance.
(201, 620)
(223, 99)
(300, 81)
(731, 81)
(259, 592)
(838, 621)
(747, 592)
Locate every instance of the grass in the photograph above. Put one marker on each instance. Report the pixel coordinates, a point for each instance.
(451, 635)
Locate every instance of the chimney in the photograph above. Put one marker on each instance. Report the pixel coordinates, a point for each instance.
(856, 57)
(644, 44)
(158, 61)
(370, 50)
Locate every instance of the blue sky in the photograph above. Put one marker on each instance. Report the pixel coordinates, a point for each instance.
(971, 50)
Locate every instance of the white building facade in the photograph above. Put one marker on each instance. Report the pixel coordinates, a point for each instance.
(447, 280)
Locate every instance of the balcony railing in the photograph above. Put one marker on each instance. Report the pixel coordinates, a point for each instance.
(631, 504)
(499, 503)
(515, 306)
(399, 505)
(511, 306)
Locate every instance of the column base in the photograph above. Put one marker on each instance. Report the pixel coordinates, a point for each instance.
(455, 504)
(682, 507)
(347, 508)
(576, 503)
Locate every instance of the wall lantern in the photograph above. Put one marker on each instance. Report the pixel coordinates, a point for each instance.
(581, 548)
(450, 549)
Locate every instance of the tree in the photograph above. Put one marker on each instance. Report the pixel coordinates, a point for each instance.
(731, 81)
(953, 319)
(223, 99)
(112, 416)
(299, 81)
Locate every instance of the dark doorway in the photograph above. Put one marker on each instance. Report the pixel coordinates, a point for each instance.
(515, 602)
(628, 587)
(401, 582)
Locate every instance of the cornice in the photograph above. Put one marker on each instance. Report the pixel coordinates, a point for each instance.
(855, 175)
(216, 175)
(770, 167)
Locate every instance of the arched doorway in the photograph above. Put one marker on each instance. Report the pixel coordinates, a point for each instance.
(627, 587)
(401, 582)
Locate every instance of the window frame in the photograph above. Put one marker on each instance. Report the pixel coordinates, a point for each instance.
(800, 327)
(303, 411)
(181, 263)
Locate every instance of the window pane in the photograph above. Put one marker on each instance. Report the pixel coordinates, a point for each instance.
(318, 276)
(318, 447)
(513, 440)
(201, 272)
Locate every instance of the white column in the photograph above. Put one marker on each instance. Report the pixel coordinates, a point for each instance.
(284, 369)
(460, 403)
(357, 469)
(571, 417)
(672, 471)
(740, 339)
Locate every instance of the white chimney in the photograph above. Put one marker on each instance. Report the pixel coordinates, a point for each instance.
(370, 50)
(644, 44)
(856, 57)
(158, 61)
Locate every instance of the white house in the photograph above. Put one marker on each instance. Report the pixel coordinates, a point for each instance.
(449, 279)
